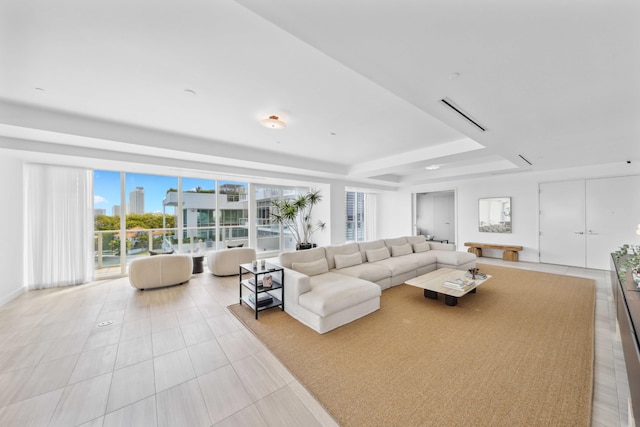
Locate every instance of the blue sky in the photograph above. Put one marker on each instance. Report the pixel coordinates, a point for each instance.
(106, 188)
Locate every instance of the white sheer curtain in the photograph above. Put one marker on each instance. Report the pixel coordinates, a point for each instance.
(59, 221)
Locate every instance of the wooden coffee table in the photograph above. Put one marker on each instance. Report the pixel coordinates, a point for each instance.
(433, 284)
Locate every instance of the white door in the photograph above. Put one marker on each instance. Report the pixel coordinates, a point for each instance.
(562, 223)
(613, 214)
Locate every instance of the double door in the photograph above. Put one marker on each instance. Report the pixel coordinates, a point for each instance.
(583, 221)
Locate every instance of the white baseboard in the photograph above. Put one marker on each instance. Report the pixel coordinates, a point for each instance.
(12, 295)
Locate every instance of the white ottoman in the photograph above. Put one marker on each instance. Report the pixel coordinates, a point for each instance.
(226, 262)
(160, 270)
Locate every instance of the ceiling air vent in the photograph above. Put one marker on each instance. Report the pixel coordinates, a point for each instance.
(449, 103)
(523, 158)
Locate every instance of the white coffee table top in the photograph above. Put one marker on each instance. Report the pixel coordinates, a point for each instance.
(434, 281)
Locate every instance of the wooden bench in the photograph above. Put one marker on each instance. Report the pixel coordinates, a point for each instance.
(510, 252)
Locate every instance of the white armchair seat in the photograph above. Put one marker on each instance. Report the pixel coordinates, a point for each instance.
(226, 262)
(160, 270)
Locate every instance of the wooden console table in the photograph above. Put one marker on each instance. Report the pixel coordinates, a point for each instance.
(510, 252)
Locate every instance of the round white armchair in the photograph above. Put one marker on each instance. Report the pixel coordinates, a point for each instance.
(226, 262)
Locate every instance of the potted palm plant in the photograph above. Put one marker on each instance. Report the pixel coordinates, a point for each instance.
(296, 215)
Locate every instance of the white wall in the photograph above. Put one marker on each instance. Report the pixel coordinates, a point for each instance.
(11, 218)
(523, 190)
(394, 214)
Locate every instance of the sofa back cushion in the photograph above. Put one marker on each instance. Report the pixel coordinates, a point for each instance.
(332, 251)
(400, 250)
(365, 246)
(311, 268)
(288, 258)
(421, 247)
(395, 242)
(344, 261)
(379, 254)
(416, 239)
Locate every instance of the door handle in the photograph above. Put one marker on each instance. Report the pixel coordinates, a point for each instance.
(579, 232)
(591, 232)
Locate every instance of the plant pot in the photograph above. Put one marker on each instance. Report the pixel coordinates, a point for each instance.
(303, 246)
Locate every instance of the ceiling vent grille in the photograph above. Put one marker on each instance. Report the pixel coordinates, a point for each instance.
(449, 103)
(523, 158)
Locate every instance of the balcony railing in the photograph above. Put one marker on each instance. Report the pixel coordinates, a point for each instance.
(140, 242)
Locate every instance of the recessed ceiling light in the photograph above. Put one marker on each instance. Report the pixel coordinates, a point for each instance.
(273, 122)
(190, 92)
(432, 167)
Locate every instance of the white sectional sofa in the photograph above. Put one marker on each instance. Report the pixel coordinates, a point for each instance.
(330, 286)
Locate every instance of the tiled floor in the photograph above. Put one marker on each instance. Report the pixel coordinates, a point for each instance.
(176, 357)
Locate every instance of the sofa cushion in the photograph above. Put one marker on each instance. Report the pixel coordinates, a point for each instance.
(423, 258)
(453, 257)
(365, 246)
(311, 268)
(288, 258)
(367, 271)
(399, 265)
(400, 250)
(350, 260)
(421, 247)
(374, 255)
(416, 239)
(333, 292)
(346, 249)
(395, 242)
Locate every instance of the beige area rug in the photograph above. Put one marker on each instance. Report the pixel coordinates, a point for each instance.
(519, 352)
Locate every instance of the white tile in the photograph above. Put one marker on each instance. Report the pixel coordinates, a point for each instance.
(36, 411)
(248, 417)
(48, 376)
(223, 325)
(172, 369)
(207, 356)
(131, 384)
(223, 393)
(102, 337)
(182, 405)
(196, 332)
(238, 345)
(134, 351)
(167, 341)
(142, 413)
(11, 383)
(94, 362)
(70, 344)
(285, 408)
(135, 329)
(258, 376)
(82, 402)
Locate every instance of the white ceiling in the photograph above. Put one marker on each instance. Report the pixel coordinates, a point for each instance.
(555, 82)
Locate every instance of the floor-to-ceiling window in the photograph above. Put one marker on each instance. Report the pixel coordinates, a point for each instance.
(199, 213)
(355, 217)
(271, 236)
(233, 208)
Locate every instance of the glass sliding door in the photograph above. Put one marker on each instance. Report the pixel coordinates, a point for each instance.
(267, 232)
(198, 214)
(150, 227)
(233, 214)
(106, 209)
(269, 235)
